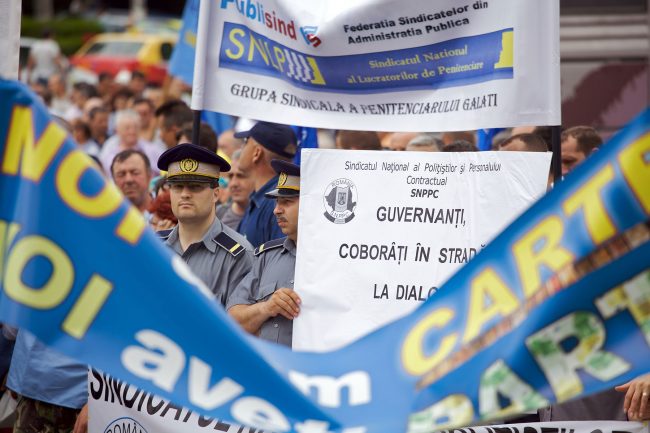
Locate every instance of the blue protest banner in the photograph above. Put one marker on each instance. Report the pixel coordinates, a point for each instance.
(486, 49)
(80, 270)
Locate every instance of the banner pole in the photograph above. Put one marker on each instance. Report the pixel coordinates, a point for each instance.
(198, 81)
(196, 127)
(10, 40)
(200, 57)
(648, 54)
(557, 153)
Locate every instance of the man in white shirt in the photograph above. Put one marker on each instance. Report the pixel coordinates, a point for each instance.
(44, 58)
(60, 100)
(127, 137)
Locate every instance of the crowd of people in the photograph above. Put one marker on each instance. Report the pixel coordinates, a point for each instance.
(228, 206)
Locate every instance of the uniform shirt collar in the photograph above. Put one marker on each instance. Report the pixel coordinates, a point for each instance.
(172, 240)
(289, 246)
(208, 239)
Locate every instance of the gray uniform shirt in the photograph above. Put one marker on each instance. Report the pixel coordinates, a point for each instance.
(227, 216)
(273, 268)
(221, 259)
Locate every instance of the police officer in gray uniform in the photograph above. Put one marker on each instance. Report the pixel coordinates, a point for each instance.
(264, 303)
(218, 255)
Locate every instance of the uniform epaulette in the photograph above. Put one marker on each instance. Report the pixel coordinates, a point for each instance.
(164, 234)
(275, 243)
(229, 244)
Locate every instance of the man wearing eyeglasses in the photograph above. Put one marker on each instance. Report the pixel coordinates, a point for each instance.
(217, 254)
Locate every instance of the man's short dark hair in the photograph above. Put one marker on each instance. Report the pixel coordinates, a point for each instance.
(451, 136)
(587, 138)
(360, 140)
(207, 136)
(532, 142)
(80, 125)
(460, 146)
(88, 90)
(546, 133)
(175, 113)
(122, 92)
(126, 154)
(93, 112)
(142, 100)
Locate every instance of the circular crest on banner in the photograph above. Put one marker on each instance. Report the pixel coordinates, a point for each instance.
(124, 425)
(340, 200)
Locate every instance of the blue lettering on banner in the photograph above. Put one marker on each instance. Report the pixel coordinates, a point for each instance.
(79, 269)
(254, 11)
(457, 62)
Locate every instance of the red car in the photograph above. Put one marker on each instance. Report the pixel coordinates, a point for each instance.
(114, 52)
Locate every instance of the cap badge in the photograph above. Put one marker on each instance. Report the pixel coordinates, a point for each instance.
(189, 165)
(282, 180)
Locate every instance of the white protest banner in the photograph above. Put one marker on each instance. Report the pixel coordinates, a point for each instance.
(116, 407)
(9, 38)
(380, 231)
(381, 64)
(550, 427)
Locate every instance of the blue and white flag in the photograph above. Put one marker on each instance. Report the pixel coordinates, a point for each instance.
(307, 139)
(485, 137)
(181, 64)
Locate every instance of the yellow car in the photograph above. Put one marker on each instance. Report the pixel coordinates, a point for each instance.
(114, 52)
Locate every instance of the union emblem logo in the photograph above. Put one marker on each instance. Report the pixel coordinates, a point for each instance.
(340, 200)
(189, 165)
